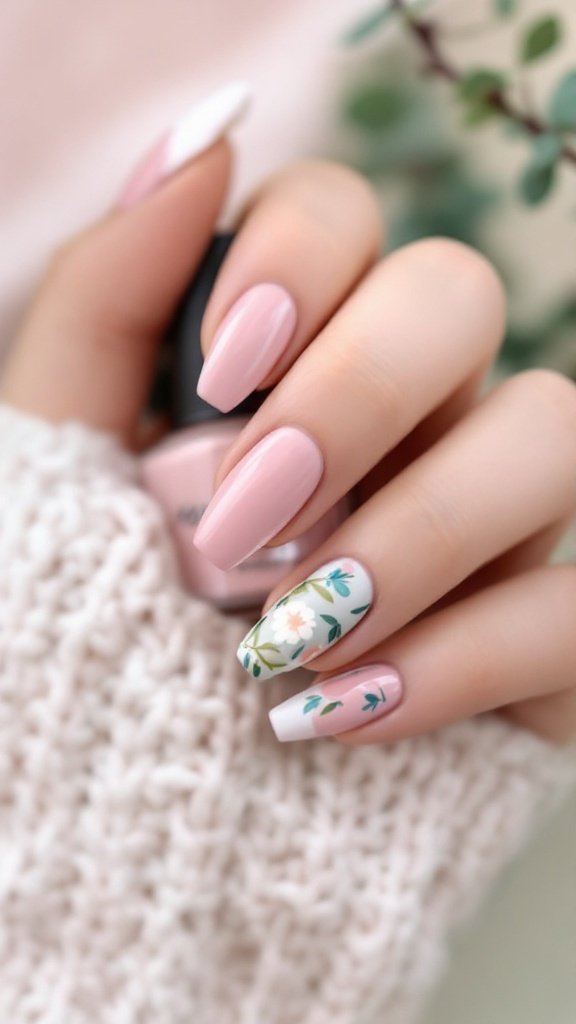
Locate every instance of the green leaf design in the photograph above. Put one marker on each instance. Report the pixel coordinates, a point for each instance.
(539, 175)
(297, 652)
(330, 620)
(358, 611)
(540, 38)
(300, 589)
(479, 83)
(563, 103)
(271, 664)
(323, 592)
(269, 647)
(256, 670)
(372, 701)
(341, 588)
(368, 25)
(334, 634)
(312, 702)
(246, 660)
(331, 707)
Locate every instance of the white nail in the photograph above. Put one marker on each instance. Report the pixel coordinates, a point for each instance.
(194, 132)
(205, 123)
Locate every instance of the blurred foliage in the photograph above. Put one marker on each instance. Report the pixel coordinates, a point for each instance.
(399, 137)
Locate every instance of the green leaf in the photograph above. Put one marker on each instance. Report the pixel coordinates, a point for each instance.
(537, 181)
(375, 106)
(563, 103)
(246, 660)
(367, 26)
(256, 670)
(331, 707)
(269, 647)
(478, 113)
(479, 83)
(539, 172)
(330, 620)
(540, 38)
(546, 150)
(323, 592)
(341, 588)
(358, 611)
(334, 633)
(505, 8)
(297, 652)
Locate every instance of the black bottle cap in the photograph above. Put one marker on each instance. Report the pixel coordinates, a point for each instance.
(187, 359)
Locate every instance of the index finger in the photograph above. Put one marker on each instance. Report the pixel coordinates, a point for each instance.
(308, 238)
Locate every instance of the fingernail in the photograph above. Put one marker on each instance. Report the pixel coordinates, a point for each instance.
(249, 342)
(259, 496)
(311, 617)
(338, 704)
(193, 133)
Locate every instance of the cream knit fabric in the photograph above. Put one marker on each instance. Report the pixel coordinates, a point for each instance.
(163, 859)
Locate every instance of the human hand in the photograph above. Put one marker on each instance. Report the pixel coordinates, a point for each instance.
(460, 501)
(441, 572)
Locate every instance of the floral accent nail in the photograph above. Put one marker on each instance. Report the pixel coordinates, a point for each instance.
(308, 619)
(338, 704)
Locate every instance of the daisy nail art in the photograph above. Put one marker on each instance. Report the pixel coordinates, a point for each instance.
(193, 134)
(338, 704)
(307, 620)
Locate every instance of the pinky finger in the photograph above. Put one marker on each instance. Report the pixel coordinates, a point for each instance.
(511, 645)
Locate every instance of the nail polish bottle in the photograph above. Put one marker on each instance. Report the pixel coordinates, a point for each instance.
(180, 471)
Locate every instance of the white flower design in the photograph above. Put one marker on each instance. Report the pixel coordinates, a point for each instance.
(292, 622)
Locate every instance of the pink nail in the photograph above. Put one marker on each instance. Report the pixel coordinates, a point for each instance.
(259, 496)
(249, 342)
(338, 704)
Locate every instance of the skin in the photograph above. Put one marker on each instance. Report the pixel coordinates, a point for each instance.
(462, 495)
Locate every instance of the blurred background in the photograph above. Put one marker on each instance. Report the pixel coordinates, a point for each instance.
(85, 92)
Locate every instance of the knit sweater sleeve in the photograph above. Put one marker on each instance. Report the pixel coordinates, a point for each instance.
(163, 858)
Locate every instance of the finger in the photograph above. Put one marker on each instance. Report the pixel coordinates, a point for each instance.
(503, 474)
(512, 642)
(382, 364)
(307, 239)
(88, 347)
(529, 554)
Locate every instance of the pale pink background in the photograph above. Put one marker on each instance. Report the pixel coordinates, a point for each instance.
(85, 87)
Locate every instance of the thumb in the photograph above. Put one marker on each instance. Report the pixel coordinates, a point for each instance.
(87, 348)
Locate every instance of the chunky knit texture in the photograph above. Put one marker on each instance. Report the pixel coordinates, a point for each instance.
(163, 858)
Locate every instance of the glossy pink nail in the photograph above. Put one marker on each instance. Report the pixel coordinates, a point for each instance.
(338, 704)
(259, 496)
(248, 343)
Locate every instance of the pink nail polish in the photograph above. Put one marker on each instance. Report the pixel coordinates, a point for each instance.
(338, 704)
(259, 496)
(247, 345)
(180, 471)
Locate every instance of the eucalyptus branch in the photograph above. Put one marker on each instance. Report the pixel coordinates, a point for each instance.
(427, 34)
